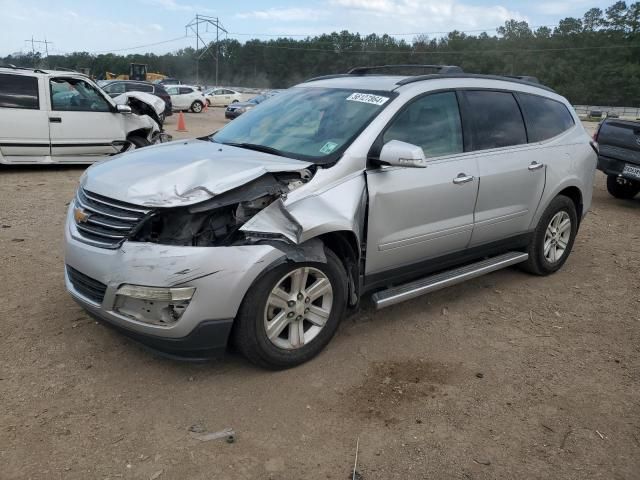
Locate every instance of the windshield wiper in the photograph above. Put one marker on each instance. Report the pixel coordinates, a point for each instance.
(257, 148)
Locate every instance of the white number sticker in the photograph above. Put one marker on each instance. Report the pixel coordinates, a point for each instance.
(367, 98)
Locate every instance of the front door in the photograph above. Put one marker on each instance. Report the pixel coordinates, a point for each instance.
(82, 124)
(416, 214)
(512, 173)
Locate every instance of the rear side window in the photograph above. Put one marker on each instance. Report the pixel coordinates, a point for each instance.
(496, 118)
(19, 91)
(139, 87)
(114, 88)
(545, 118)
(184, 90)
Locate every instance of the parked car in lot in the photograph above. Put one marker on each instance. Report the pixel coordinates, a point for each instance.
(238, 108)
(619, 158)
(347, 185)
(168, 81)
(118, 87)
(221, 97)
(49, 116)
(185, 97)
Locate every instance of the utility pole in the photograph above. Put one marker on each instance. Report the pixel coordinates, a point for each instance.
(194, 26)
(40, 42)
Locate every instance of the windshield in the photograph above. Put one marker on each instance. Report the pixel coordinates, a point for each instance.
(315, 124)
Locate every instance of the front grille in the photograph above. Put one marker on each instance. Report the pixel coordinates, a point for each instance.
(86, 286)
(108, 222)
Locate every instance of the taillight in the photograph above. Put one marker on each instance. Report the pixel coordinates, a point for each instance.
(595, 146)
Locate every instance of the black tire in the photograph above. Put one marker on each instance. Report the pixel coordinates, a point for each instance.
(624, 191)
(537, 263)
(139, 142)
(235, 101)
(249, 332)
(197, 106)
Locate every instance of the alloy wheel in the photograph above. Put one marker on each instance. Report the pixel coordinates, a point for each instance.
(557, 236)
(298, 308)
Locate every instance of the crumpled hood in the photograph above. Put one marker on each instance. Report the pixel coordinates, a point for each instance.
(181, 173)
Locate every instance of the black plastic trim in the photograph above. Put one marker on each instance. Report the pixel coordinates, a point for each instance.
(417, 270)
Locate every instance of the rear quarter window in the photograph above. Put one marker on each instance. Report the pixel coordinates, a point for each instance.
(545, 118)
(496, 119)
(19, 91)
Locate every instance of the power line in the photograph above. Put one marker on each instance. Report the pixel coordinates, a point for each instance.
(194, 26)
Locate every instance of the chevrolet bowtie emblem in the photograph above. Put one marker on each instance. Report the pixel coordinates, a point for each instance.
(80, 215)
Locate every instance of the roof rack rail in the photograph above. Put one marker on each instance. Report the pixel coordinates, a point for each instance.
(523, 80)
(12, 66)
(377, 68)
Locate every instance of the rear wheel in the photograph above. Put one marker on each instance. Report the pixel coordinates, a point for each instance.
(622, 188)
(553, 237)
(196, 107)
(291, 313)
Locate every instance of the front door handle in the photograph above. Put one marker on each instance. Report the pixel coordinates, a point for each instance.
(462, 178)
(55, 119)
(535, 166)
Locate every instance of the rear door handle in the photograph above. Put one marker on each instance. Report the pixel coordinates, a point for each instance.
(535, 166)
(462, 178)
(55, 119)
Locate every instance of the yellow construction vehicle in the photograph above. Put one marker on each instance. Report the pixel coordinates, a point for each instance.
(137, 71)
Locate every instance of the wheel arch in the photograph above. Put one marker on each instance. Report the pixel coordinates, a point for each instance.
(345, 244)
(140, 132)
(575, 195)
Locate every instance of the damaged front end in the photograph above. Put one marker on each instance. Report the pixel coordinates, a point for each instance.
(218, 221)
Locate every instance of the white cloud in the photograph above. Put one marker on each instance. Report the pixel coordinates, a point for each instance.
(284, 14)
(397, 16)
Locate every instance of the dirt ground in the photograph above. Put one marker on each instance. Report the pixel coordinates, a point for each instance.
(508, 376)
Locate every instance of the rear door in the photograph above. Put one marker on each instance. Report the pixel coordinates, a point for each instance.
(512, 173)
(24, 123)
(83, 124)
(416, 214)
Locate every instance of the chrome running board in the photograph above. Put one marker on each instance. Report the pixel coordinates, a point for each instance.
(414, 289)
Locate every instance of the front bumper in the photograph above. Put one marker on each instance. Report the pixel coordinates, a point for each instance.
(221, 277)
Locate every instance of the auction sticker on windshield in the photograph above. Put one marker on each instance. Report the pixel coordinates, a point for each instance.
(328, 148)
(367, 98)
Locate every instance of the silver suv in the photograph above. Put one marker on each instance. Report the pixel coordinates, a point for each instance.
(267, 231)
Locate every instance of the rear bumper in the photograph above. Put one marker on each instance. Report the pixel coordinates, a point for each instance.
(612, 166)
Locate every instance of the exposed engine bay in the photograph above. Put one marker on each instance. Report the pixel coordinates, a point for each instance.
(217, 221)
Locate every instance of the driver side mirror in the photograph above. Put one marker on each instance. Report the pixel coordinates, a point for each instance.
(123, 109)
(401, 154)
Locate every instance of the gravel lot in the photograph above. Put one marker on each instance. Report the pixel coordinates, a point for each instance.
(508, 376)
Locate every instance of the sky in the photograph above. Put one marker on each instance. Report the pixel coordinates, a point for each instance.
(158, 26)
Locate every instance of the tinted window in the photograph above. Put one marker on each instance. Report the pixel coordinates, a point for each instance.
(18, 91)
(139, 87)
(114, 88)
(497, 120)
(545, 118)
(74, 95)
(184, 90)
(432, 122)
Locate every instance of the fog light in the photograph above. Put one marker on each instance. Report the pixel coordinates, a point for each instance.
(153, 305)
(157, 293)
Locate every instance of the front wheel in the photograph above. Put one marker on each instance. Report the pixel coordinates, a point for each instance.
(622, 188)
(553, 237)
(196, 107)
(291, 313)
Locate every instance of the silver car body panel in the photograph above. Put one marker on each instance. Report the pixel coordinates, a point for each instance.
(414, 214)
(181, 173)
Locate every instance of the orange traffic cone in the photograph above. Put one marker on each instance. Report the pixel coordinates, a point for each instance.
(181, 126)
(206, 105)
